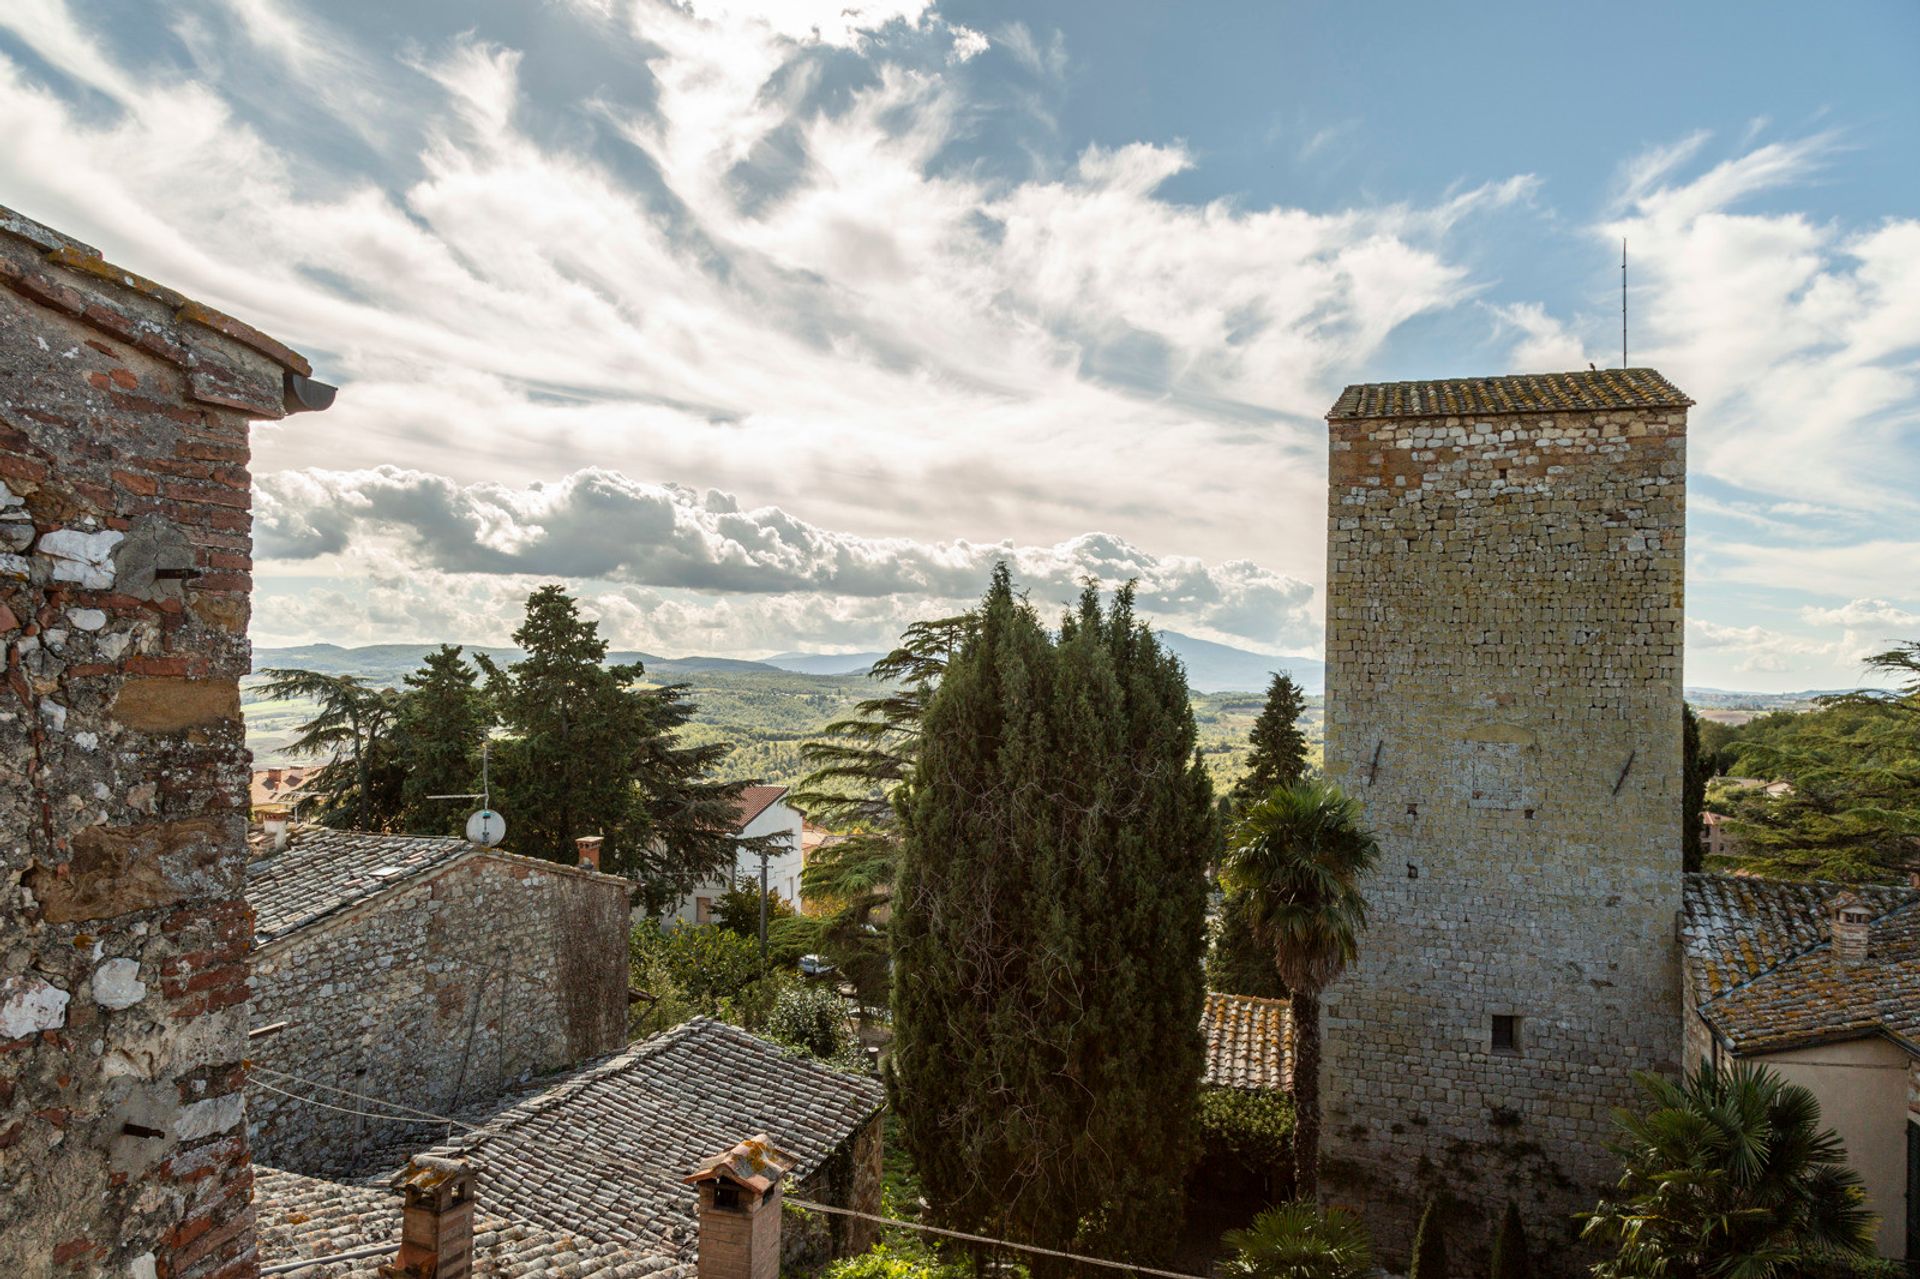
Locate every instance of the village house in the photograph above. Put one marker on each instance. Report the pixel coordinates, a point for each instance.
(760, 811)
(125, 577)
(278, 791)
(1822, 984)
(588, 1175)
(422, 968)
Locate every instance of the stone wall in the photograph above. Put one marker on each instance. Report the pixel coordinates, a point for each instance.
(850, 1178)
(1504, 600)
(434, 996)
(124, 580)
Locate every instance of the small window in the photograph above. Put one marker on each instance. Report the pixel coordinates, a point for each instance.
(703, 910)
(1506, 1034)
(726, 1196)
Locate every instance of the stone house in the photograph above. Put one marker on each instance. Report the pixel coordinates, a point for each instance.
(598, 1158)
(1504, 628)
(1821, 983)
(422, 968)
(762, 810)
(125, 577)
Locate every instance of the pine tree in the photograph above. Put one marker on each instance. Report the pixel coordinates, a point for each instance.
(358, 788)
(1047, 931)
(589, 751)
(1511, 1259)
(1279, 754)
(441, 724)
(1429, 1245)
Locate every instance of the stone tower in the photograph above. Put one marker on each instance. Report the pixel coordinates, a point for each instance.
(1504, 595)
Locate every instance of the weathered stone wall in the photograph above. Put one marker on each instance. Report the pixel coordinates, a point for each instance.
(1504, 629)
(850, 1178)
(124, 579)
(434, 996)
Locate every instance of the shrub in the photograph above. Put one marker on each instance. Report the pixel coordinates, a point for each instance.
(908, 1259)
(738, 909)
(1250, 1127)
(1298, 1241)
(1510, 1256)
(1429, 1245)
(812, 1018)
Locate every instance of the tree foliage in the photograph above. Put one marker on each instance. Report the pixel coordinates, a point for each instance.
(1298, 1241)
(1693, 793)
(1728, 1175)
(440, 726)
(1279, 749)
(1511, 1257)
(360, 785)
(1296, 860)
(1238, 962)
(1249, 1127)
(1853, 813)
(590, 750)
(1047, 931)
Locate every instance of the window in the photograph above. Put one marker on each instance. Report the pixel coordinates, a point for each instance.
(703, 910)
(1506, 1034)
(725, 1196)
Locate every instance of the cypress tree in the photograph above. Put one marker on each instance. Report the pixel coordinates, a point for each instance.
(1048, 932)
(1693, 793)
(441, 725)
(1279, 754)
(1510, 1256)
(1429, 1245)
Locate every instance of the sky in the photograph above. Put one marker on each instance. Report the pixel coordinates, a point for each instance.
(772, 326)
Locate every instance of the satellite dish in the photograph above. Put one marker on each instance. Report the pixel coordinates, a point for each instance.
(486, 827)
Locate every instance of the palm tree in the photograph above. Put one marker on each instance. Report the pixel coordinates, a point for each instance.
(1298, 1241)
(1729, 1174)
(1297, 858)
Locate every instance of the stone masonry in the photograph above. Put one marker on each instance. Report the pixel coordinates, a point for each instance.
(438, 992)
(125, 539)
(1504, 596)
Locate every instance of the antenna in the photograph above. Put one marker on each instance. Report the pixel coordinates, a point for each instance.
(485, 827)
(1623, 301)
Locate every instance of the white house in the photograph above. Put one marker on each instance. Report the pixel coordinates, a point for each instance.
(762, 810)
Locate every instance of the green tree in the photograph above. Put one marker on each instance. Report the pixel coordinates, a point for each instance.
(440, 726)
(856, 768)
(359, 786)
(1299, 1241)
(591, 751)
(1693, 793)
(1429, 1245)
(1511, 1258)
(1297, 857)
(1728, 1173)
(1279, 749)
(1047, 932)
(1238, 962)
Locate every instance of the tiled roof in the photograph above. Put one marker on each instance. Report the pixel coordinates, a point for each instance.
(279, 785)
(322, 874)
(602, 1152)
(1249, 1042)
(1518, 393)
(753, 801)
(305, 1217)
(1760, 960)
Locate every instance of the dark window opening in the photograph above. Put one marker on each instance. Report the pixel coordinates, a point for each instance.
(1506, 1033)
(725, 1196)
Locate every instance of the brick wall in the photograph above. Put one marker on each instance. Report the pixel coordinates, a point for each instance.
(1503, 635)
(435, 995)
(124, 579)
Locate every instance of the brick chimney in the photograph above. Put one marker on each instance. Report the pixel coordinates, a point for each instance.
(1851, 919)
(589, 846)
(436, 1227)
(740, 1211)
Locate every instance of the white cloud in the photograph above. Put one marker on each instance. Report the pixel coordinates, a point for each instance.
(1867, 614)
(968, 44)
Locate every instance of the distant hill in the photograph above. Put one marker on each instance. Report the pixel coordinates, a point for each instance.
(389, 663)
(824, 663)
(1222, 668)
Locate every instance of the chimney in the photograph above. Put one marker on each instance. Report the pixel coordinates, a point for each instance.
(589, 846)
(1851, 919)
(740, 1211)
(436, 1226)
(275, 826)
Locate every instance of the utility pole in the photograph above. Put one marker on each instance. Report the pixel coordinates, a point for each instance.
(763, 910)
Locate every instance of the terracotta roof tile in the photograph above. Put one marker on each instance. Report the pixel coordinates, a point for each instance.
(1516, 393)
(1759, 957)
(1249, 1042)
(753, 801)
